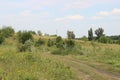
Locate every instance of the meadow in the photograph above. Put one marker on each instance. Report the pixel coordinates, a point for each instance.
(86, 61)
(28, 56)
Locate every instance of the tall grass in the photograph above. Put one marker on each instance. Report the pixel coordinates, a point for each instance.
(31, 66)
(107, 56)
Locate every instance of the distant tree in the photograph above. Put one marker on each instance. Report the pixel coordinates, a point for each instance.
(39, 33)
(7, 31)
(84, 38)
(114, 37)
(70, 35)
(103, 39)
(24, 36)
(46, 34)
(99, 32)
(33, 32)
(90, 34)
(53, 35)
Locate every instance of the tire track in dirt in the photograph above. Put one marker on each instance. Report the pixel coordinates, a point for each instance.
(101, 74)
(84, 71)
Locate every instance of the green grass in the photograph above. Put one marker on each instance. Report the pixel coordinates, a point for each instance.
(107, 56)
(30, 66)
(86, 61)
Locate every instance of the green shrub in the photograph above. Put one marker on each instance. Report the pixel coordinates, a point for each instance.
(70, 43)
(59, 42)
(84, 38)
(39, 42)
(21, 47)
(25, 47)
(104, 39)
(60, 45)
(7, 31)
(58, 39)
(64, 48)
(50, 43)
(2, 39)
(24, 36)
(118, 41)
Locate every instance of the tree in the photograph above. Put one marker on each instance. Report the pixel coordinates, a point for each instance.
(7, 31)
(99, 32)
(33, 32)
(39, 33)
(70, 35)
(90, 34)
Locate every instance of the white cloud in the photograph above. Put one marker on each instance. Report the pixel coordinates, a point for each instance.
(103, 13)
(97, 17)
(76, 4)
(106, 13)
(26, 4)
(69, 18)
(26, 13)
(115, 13)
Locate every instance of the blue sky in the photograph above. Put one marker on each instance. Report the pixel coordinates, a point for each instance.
(61, 15)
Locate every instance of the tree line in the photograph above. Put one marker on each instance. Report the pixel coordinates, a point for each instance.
(101, 37)
(8, 31)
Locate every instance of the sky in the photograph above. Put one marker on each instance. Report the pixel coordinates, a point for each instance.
(59, 16)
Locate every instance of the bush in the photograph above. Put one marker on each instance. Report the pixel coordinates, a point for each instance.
(60, 45)
(39, 42)
(59, 42)
(50, 43)
(2, 39)
(118, 41)
(84, 38)
(21, 48)
(104, 39)
(24, 36)
(7, 31)
(25, 47)
(58, 39)
(70, 43)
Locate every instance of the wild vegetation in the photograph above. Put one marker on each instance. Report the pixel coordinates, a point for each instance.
(26, 55)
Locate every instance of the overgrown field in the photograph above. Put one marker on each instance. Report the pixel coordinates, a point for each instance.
(30, 66)
(48, 58)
